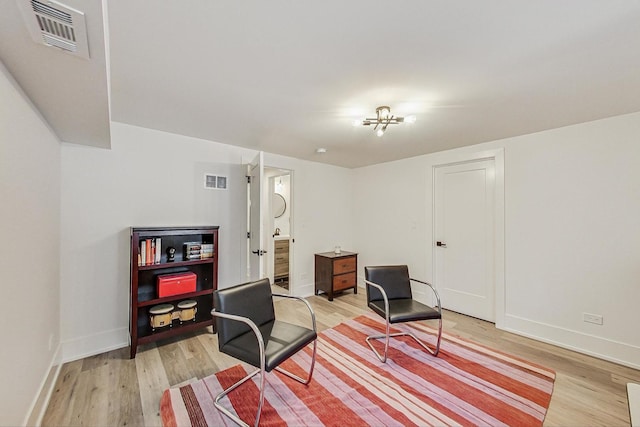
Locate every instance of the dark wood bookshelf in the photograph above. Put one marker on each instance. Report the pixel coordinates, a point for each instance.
(144, 276)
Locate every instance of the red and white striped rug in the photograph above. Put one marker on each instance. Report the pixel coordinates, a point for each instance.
(467, 384)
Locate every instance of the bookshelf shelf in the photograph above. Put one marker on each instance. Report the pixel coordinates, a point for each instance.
(175, 264)
(176, 329)
(150, 260)
(190, 295)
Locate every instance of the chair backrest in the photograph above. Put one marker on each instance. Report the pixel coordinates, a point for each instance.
(394, 279)
(252, 300)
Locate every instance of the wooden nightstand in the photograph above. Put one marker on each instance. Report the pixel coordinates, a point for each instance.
(336, 272)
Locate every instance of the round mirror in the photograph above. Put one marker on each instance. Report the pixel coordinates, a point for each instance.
(279, 205)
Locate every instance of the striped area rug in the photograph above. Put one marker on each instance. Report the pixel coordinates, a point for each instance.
(467, 384)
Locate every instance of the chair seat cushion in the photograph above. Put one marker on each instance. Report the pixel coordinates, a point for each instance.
(281, 340)
(405, 310)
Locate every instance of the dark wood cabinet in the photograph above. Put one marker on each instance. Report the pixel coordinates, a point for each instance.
(196, 251)
(336, 272)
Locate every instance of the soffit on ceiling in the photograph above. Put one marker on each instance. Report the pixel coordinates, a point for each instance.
(70, 92)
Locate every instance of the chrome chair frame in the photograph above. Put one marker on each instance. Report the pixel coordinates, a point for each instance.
(261, 370)
(387, 335)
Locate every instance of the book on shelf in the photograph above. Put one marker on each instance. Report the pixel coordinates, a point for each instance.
(206, 250)
(191, 250)
(143, 253)
(150, 251)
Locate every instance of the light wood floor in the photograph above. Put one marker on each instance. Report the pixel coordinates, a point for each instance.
(110, 389)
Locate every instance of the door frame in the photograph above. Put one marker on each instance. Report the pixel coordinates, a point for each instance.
(257, 162)
(271, 221)
(497, 155)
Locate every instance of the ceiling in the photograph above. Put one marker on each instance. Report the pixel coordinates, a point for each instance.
(289, 77)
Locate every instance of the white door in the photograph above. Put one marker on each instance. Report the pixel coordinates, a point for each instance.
(464, 237)
(256, 235)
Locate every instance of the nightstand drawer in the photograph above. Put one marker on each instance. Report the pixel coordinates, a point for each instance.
(344, 265)
(344, 281)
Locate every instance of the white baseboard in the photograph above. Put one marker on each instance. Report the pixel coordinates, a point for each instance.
(633, 396)
(306, 290)
(602, 348)
(91, 345)
(41, 400)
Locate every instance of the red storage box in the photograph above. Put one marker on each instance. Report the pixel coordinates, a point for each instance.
(176, 284)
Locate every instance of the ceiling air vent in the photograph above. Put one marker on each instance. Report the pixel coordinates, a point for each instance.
(54, 24)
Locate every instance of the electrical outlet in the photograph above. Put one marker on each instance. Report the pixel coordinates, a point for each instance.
(592, 318)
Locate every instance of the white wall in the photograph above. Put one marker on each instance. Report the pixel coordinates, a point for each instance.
(393, 212)
(152, 178)
(30, 253)
(572, 234)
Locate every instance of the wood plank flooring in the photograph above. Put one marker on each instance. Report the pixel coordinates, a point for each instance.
(111, 390)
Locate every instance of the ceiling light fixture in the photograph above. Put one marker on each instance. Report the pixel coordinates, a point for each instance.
(384, 118)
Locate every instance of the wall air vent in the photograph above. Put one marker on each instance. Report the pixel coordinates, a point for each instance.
(54, 24)
(215, 182)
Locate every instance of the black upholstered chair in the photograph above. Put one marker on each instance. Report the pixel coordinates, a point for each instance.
(389, 295)
(248, 330)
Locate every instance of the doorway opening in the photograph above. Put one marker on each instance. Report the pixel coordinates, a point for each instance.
(279, 226)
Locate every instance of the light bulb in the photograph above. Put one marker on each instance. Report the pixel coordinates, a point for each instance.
(410, 119)
(357, 122)
(380, 132)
